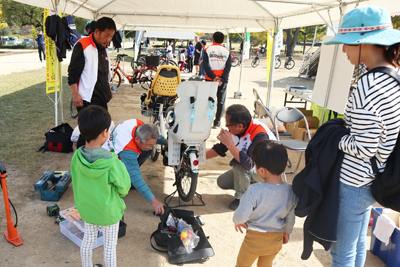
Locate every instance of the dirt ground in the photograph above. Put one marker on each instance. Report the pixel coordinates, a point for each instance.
(44, 245)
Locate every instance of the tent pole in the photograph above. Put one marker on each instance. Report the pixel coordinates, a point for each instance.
(272, 68)
(56, 73)
(123, 52)
(311, 53)
(342, 10)
(238, 94)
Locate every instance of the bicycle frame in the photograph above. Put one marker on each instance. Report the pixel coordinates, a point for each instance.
(136, 73)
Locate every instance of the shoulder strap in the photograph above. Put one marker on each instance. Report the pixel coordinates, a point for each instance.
(386, 70)
(395, 76)
(151, 243)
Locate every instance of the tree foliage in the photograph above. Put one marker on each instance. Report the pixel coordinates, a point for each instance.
(396, 22)
(307, 33)
(20, 14)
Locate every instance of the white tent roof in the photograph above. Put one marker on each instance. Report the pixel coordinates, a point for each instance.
(170, 35)
(211, 15)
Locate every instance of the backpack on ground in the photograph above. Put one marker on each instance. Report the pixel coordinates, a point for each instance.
(386, 186)
(58, 139)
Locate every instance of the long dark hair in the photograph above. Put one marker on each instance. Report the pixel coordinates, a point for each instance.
(392, 54)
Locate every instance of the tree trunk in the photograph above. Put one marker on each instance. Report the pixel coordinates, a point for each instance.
(291, 39)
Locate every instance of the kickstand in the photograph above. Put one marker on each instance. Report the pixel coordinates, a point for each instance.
(168, 199)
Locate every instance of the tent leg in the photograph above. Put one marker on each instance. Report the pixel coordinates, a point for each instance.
(272, 69)
(238, 94)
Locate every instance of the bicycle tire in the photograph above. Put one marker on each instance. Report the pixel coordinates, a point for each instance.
(146, 78)
(186, 180)
(154, 152)
(140, 59)
(235, 62)
(255, 62)
(116, 80)
(278, 62)
(73, 109)
(290, 64)
(172, 63)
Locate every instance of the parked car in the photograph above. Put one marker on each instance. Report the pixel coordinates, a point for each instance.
(28, 42)
(3, 40)
(12, 41)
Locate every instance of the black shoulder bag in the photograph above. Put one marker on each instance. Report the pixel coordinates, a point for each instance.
(386, 186)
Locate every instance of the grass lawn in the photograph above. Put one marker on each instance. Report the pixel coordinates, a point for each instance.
(26, 114)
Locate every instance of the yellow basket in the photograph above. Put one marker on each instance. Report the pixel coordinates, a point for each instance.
(166, 81)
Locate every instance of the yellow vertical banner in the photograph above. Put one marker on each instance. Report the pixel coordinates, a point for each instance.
(269, 51)
(50, 59)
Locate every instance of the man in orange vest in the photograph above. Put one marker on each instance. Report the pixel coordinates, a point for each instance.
(217, 62)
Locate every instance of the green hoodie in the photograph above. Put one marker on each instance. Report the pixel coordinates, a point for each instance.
(99, 180)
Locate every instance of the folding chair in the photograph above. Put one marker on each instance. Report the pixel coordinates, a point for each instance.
(262, 111)
(290, 115)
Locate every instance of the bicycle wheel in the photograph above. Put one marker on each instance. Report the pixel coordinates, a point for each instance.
(235, 62)
(277, 62)
(290, 64)
(73, 110)
(141, 60)
(186, 180)
(116, 80)
(172, 63)
(255, 62)
(146, 78)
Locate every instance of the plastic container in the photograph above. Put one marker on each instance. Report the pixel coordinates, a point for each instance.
(73, 227)
(390, 254)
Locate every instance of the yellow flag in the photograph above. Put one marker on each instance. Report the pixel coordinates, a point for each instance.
(269, 51)
(50, 61)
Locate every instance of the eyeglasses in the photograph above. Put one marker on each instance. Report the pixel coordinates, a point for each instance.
(147, 146)
(229, 125)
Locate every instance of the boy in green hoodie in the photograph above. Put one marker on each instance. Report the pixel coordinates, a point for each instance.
(99, 180)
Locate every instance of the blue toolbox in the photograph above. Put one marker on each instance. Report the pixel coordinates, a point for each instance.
(52, 185)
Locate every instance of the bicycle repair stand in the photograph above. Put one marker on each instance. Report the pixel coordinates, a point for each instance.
(171, 196)
(11, 234)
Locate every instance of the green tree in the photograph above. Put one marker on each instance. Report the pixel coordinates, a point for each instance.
(396, 22)
(291, 40)
(21, 14)
(258, 38)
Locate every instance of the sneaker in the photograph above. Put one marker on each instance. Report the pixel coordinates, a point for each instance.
(98, 265)
(234, 204)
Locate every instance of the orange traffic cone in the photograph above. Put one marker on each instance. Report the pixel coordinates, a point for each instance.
(11, 234)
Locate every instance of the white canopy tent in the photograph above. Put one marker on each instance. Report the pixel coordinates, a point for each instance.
(170, 35)
(234, 16)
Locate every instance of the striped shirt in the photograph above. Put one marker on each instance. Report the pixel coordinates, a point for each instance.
(373, 115)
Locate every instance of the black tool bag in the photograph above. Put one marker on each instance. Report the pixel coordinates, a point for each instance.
(58, 139)
(171, 243)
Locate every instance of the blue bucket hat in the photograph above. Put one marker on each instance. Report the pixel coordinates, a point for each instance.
(366, 25)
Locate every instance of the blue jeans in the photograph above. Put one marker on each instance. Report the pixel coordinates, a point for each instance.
(202, 71)
(354, 211)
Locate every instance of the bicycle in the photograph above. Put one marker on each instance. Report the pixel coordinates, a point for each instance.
(289, 62)
(143, 75)
(277, 61)
(256, 61)
(236, 61)
(141, 60)
(163, 58)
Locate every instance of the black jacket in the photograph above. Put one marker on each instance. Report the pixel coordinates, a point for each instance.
(317, 186)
